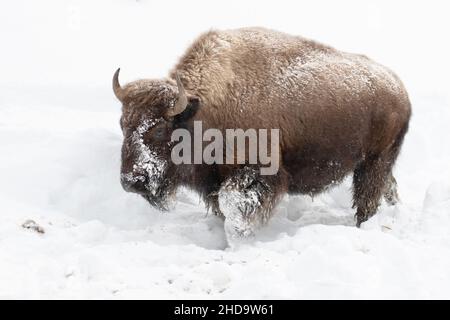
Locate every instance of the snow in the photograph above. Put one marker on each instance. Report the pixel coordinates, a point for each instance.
(60, 162)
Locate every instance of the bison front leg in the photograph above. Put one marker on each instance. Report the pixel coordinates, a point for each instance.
(246, 200)
(212, 204)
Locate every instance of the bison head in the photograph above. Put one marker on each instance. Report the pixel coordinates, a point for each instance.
(151, 110)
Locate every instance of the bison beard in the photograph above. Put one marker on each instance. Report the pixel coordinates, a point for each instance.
(159, 200)
(338, 114)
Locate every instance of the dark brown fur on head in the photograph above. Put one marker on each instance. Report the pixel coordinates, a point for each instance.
(147, 125)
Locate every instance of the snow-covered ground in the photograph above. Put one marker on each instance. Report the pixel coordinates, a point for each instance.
(60, 155)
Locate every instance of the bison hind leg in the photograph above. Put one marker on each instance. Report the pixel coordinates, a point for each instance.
(391, 193)
(372, 180)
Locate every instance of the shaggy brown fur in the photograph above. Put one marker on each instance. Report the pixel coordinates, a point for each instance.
(338, 113)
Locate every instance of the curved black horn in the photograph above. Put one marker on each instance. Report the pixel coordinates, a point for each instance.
(182, 101)
(118, 91)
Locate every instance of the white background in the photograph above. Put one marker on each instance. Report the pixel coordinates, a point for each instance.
(60, 155)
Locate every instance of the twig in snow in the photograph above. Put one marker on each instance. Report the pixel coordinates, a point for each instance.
(32, 225)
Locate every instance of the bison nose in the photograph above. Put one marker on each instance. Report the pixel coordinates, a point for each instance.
(132, 183)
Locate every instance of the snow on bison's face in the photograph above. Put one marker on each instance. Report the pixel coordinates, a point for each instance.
(150, 109)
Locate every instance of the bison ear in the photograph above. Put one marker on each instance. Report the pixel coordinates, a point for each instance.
(190, 111)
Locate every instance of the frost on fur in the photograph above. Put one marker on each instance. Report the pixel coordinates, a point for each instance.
(244, 200)
(148, 160)
(148, 167)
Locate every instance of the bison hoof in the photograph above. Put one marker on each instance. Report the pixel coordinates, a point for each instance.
(239, 210)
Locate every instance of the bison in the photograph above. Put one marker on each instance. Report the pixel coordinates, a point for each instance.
(337, 113)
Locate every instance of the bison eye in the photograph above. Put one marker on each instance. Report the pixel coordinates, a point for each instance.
(159, 133)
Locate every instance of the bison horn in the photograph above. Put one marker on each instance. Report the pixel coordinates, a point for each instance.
(118, 91)
(182, 101)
